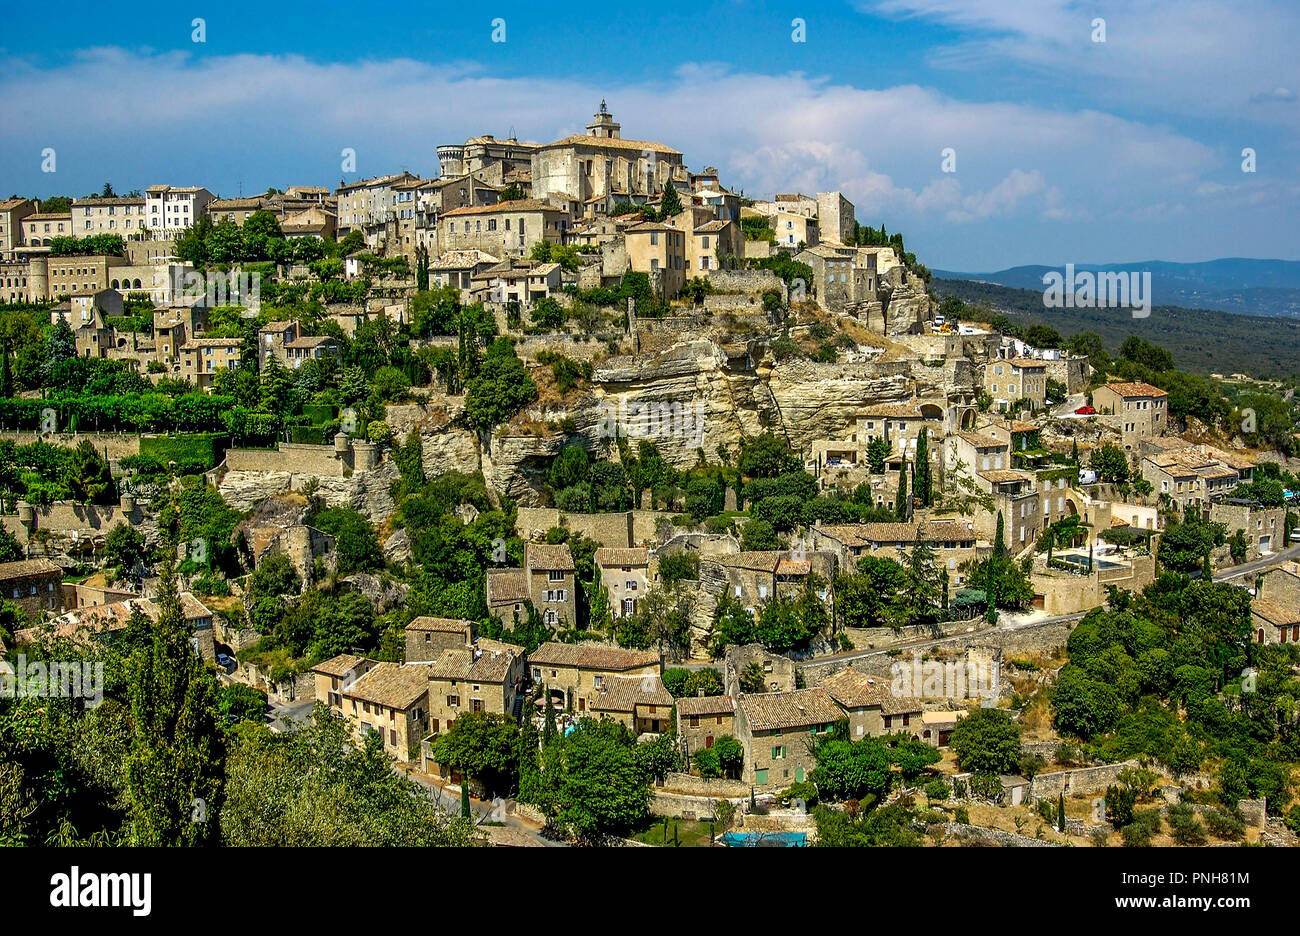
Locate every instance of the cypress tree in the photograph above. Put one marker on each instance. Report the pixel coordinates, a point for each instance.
(549, 730)
(1206, 572)
(1060, 812)
(921, 472)
(174, 774)
(999, 539)
(464, 797)
(900, 498)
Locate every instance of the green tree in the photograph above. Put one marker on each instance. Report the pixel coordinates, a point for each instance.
(987, 741)
(174, 771)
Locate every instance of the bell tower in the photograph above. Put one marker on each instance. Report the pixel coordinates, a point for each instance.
(603, 125)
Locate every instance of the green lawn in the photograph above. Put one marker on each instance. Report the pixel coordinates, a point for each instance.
(690, 832)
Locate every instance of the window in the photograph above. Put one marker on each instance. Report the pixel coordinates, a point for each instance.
(555, 575)
(778, 751)
(695, 721)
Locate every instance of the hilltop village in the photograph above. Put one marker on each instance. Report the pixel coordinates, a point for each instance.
(595, 500)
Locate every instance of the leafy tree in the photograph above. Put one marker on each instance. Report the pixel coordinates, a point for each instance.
(1110, 463)
(987, 741)
(88, 476)
(501, 388)
(124, 550)
(484, 746)
(355, 542)
(766, 456)
(851, 770)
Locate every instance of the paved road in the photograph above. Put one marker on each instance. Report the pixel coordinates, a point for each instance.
(448, 800)
(1246, 568)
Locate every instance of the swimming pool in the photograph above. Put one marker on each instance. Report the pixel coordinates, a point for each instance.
(765, 839)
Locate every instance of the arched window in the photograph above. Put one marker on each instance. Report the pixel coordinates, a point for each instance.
(137, 282)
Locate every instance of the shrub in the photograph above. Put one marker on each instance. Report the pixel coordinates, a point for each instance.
(1186, 828)
(936, 791)
(1224, 823)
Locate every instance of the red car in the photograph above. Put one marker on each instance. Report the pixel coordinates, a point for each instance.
(1086, 411)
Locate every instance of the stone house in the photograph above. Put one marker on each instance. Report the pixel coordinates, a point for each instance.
(625, 574)
(1008, 380)
(546, 580)
(571, 672)
(273, 337)
(658, 249)
(485, 676)
(508, 229)
(521, 281)
(872, 708)
(639, 703)
(1275, 610)
(305, 347)
(428, 637)
(778, 670)
(170, 210)
(103, 622)
(34, 584)
(701, 720)
(336, 675)
(1142, 408)
(777, 730)
(203, 358)
(1264, 527)
(458, 268)
(392, 700)
(953, 541)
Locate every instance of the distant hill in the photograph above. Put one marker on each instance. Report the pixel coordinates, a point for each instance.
(1203, 341)
(1234, 284)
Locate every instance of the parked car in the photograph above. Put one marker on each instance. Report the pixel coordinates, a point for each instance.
(224, 661)
(1086, 410)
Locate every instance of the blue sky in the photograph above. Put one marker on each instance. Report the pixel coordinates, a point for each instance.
(1067, 149)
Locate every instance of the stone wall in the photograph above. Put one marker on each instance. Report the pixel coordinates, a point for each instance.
(688, 785)
(986, 836)
(116, 444)
(1080, 780)
(746, 281)
(294, 458)
(1071, 371)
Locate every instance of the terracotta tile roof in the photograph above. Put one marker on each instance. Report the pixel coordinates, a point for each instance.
(1132, 389)
(759, 560)
(24, 568)
(793, 567)
(441, 625)
(507, 586)
(689, 706)
(799, 708)
(472, 664)
(1024, 362)
(521, 204)
(870, 534)
(547, 558)
(591, 656)
(892, 411)
(944, 531)
(340, 665)
(625, 693)
(617, 143)
(392, 685)
(1006, 475)
(858, 690)
(609, 556)
(462, 260)
(980, 440)
(1276, 614)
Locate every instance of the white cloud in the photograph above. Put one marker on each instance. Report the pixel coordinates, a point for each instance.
(1026, 172)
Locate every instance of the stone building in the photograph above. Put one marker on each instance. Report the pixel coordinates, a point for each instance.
(391, 700)
(774, 728)
(484, 676)
(508, 229)
(638, 703)
(1263, 527)
(701, 720)
(34, 584)
(1143, 410)
(428, 637)
(625, 574)
(572, 672)
(335, 676)
(601, 163)
(203, 358)
(1009, 380)
(658, 249)
(12, 213)
(546, 580)
(124, 216)
(1275, 610)
(872, 709)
